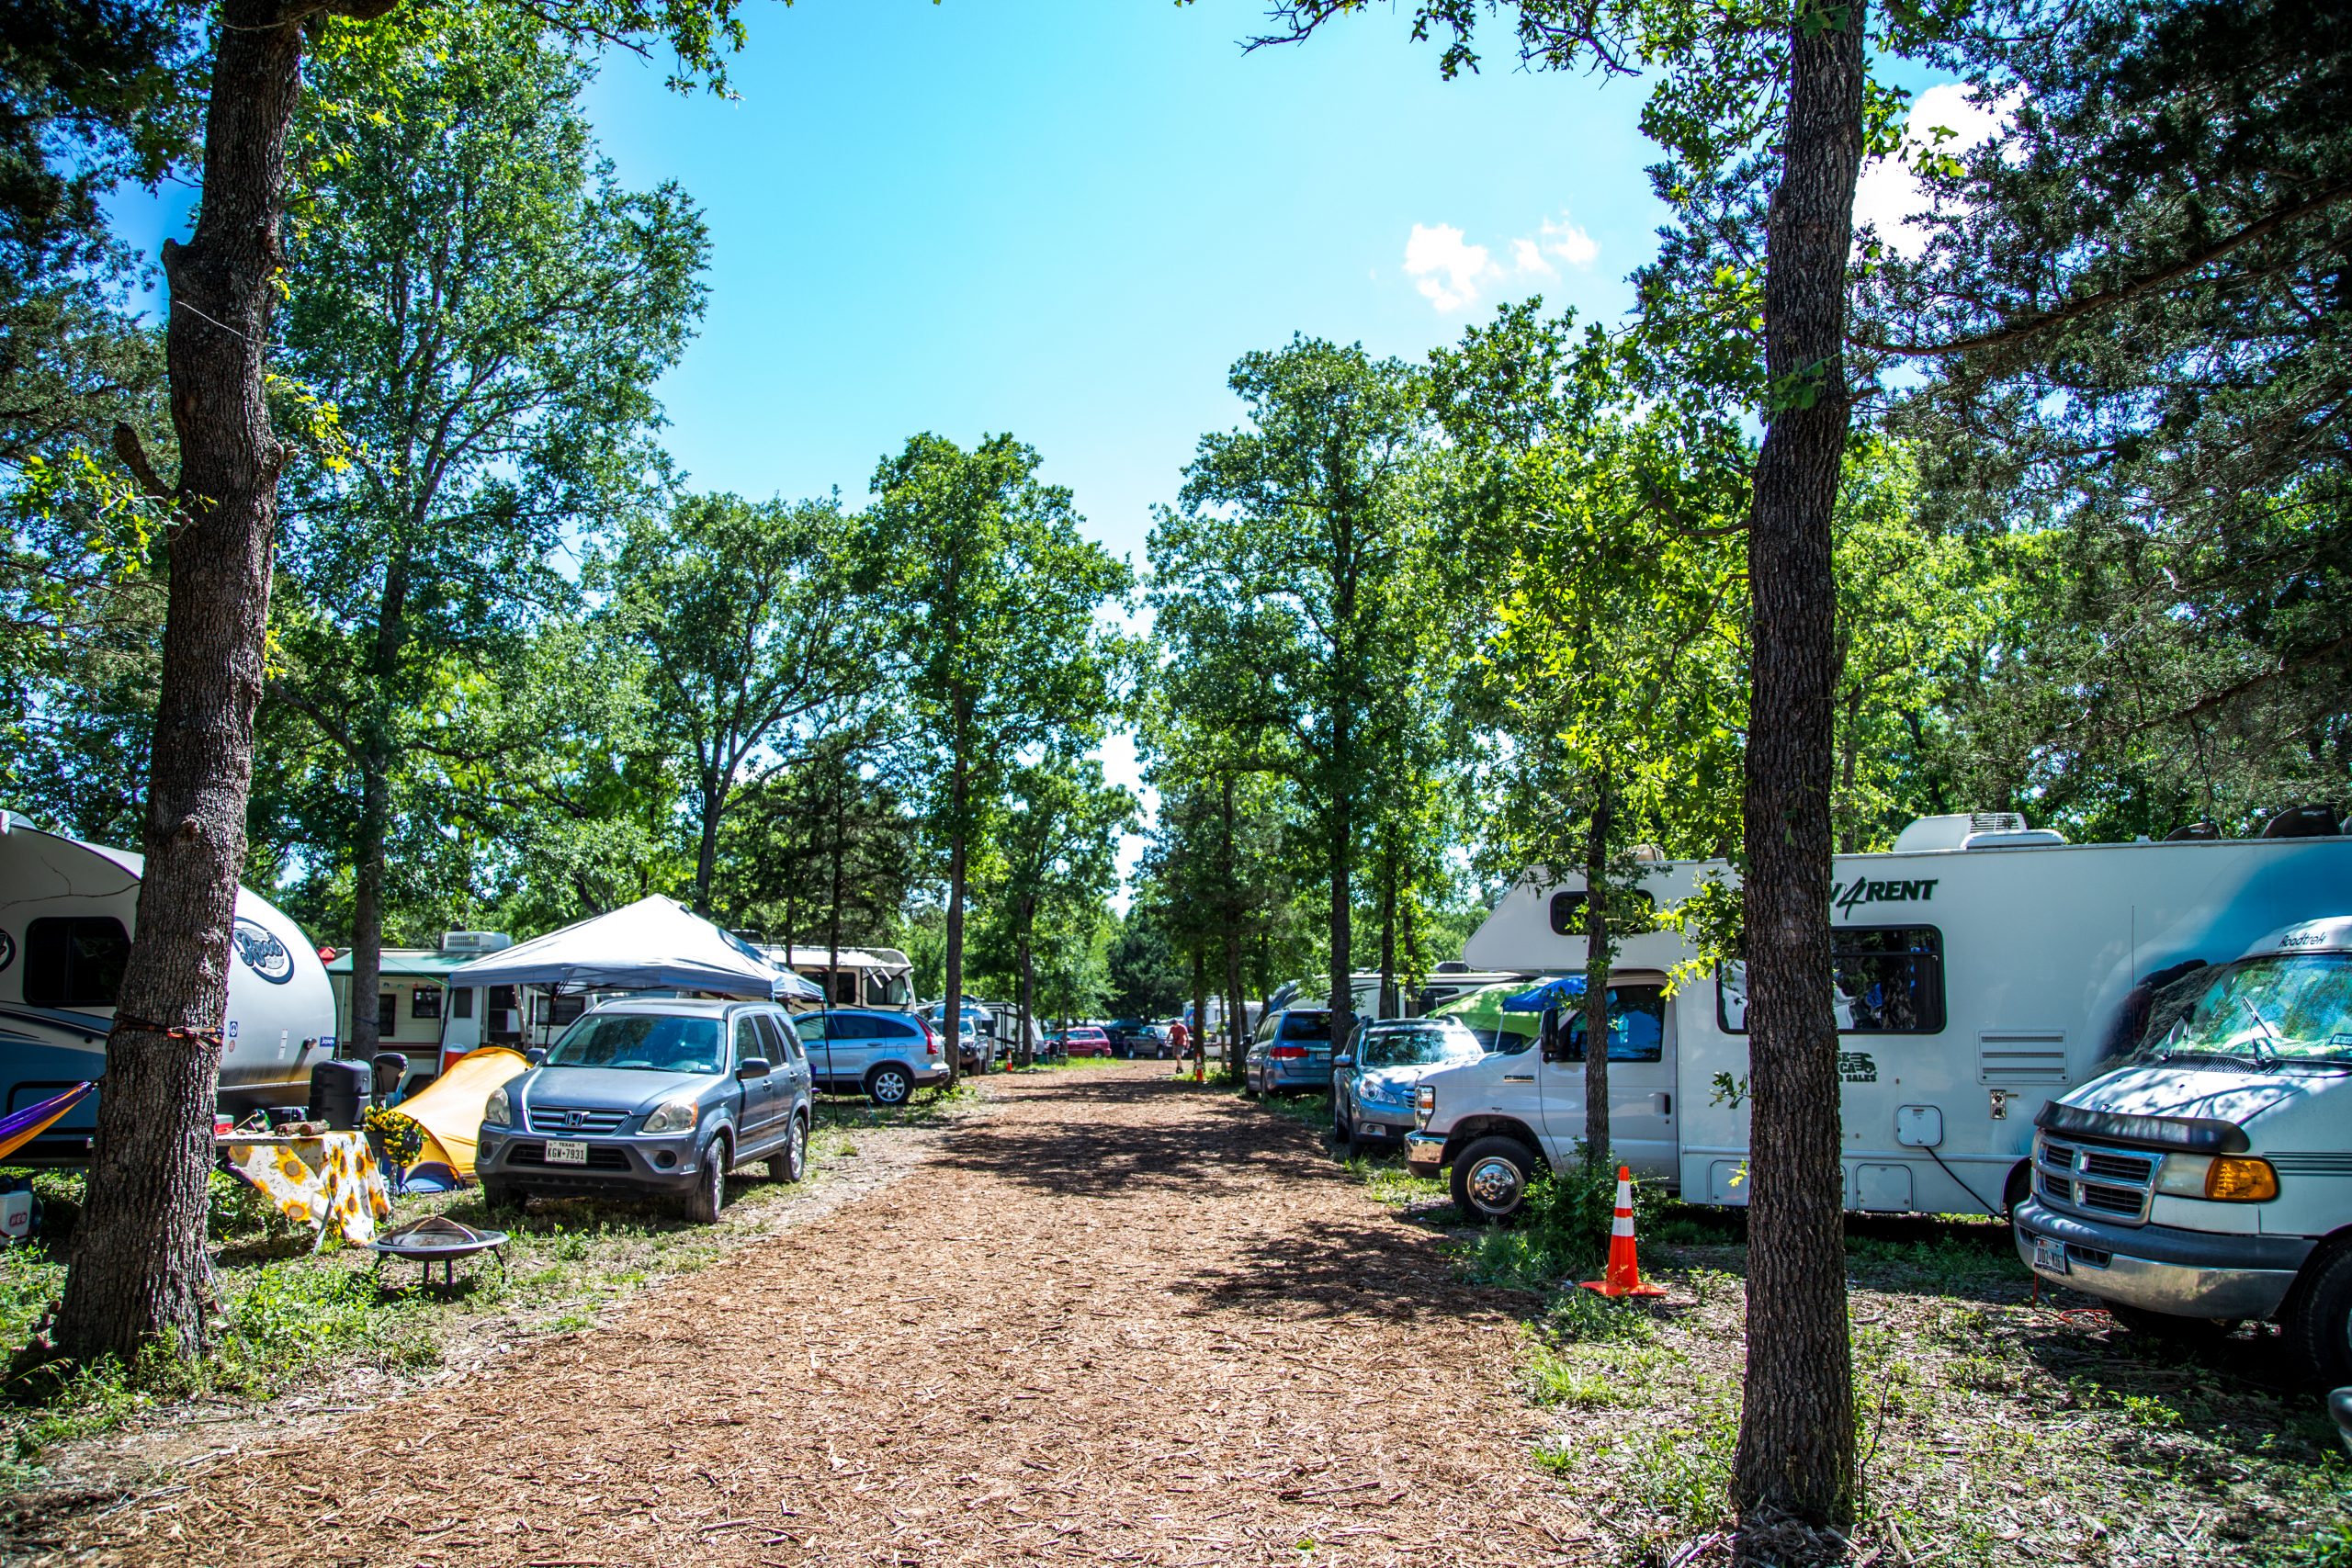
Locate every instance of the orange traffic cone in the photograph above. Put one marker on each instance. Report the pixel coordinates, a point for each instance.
(1625, 1274)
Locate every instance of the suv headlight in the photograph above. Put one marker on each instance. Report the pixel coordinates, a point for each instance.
(498, 1111)
(675, 1117)
(1424, 1103)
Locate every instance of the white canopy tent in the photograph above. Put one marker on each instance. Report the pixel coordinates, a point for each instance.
(654, 944)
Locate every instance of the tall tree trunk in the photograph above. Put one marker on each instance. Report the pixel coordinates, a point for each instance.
(833, 917)
(950, 1014)
(1341, 849)
(1596, 954)
(1237, 1006)
(1027, 1057)
(1386, 1007)
(367, 906)
(714, 804)
(1201, 1004)
(1796, 1437)
(137, 1267)
(1850, 834)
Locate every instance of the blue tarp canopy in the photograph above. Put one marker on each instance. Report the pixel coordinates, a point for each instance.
(1550, 994)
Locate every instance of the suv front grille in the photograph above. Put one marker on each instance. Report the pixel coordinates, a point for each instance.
(600, 1157)
(575, 1122)
(2092, 1178)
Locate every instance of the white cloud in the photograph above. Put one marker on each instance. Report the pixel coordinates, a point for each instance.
(1452, 272)
(1570, 242)
(1889, 194)
(1445, 267)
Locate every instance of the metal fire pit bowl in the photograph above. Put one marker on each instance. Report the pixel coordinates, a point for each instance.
(435, 1239)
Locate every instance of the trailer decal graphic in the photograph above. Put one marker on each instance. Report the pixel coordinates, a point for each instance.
(1855, 1066)
(262, 953)
(1844, 896)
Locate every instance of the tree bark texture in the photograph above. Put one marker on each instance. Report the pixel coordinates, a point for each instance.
(137, 1267)
(1796, 1443)
(1341, 849)
(1237, 1011)
(951, 1015)
(1596, 981)
(1022, 1053)
(1386, 1007)
(1201, 1003)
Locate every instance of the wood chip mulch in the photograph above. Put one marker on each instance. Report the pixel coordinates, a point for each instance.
(1114, 1320)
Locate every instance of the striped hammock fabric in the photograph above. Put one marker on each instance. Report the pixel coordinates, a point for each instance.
(21, 1127)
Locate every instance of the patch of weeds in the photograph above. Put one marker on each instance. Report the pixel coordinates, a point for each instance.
(1678, 1471)
(1313, 1109)
(1392, 1182)
(2330, 1546)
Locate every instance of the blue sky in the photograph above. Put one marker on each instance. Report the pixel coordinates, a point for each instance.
(1066, 217)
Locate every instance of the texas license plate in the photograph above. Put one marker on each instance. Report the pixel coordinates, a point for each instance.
(567, 1153)
(2049, 1255)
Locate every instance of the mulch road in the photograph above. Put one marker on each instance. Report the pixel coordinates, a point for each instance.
(1115, 1319)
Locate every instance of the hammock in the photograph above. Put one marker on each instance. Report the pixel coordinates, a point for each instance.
(21, 1127)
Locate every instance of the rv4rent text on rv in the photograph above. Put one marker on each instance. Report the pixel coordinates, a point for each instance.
(1981, 969)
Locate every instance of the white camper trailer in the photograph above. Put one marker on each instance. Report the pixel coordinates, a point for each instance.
(66, 913)
(1982, 970)
(853, 977)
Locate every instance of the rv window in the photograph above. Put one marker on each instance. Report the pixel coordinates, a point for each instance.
(1889, 981)
(461, 1002)
(388, 1012)
(1636, 1026)
(75, 961)
(1635, 907)
(425, 1001)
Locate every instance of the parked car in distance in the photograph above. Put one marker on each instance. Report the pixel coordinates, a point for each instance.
(1082, 1040)
(882, 1055)
(1137, 1037)
(1291, 1054)
(976, 1041)
(1374, 1079)
(659, 1097)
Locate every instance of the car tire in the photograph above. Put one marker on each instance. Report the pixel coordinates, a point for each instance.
(889, 1086)
(502, 1197)
(1343, 1127)
(2317, 1322)
(709, 1194)
(1491, 1177)
(791, 1162)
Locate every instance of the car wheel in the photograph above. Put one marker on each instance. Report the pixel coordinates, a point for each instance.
(889, 1085)
(2318, 1321)
(1343, 1130)
(709, 1194)
(502, 1197)
(1490, 1178)
(791, 1162)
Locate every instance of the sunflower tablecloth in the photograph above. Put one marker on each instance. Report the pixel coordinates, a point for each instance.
(313, 1180)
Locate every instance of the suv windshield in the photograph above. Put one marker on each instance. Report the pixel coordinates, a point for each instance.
(1421, 1047)
(643, 1040)
(2294, 1008)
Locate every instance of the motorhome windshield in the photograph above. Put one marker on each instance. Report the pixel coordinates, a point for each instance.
(642, 1040)
(2292, 1008)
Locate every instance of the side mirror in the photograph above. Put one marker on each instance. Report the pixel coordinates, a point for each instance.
(1553, 1038)
(537, 1055)
(753, 1067)
(1344, 1059)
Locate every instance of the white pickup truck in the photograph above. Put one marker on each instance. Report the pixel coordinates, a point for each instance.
(2210, 1178)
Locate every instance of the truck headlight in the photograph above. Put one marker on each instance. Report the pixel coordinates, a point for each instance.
(498, 1111)
(2224, 1178)
(1424, 1103)
(675, 1117)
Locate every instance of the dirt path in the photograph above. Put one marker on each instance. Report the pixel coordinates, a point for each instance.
(1114, 1321)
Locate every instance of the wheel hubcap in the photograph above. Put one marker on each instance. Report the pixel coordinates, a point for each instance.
(1494, 1185)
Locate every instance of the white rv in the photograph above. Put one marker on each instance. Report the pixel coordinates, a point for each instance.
(66, 913)
(853, 977)
(1982, 970)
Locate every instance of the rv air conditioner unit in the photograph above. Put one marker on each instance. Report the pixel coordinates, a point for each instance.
(1973, 831)
(475, 941)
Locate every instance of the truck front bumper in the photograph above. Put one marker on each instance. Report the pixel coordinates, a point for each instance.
(1424, 1153)
(2163, 1269)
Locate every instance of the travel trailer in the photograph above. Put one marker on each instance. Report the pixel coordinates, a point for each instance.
(67, 910)
(854, 977)
(1983, 968)
(432, 1022)
(1448, 981)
